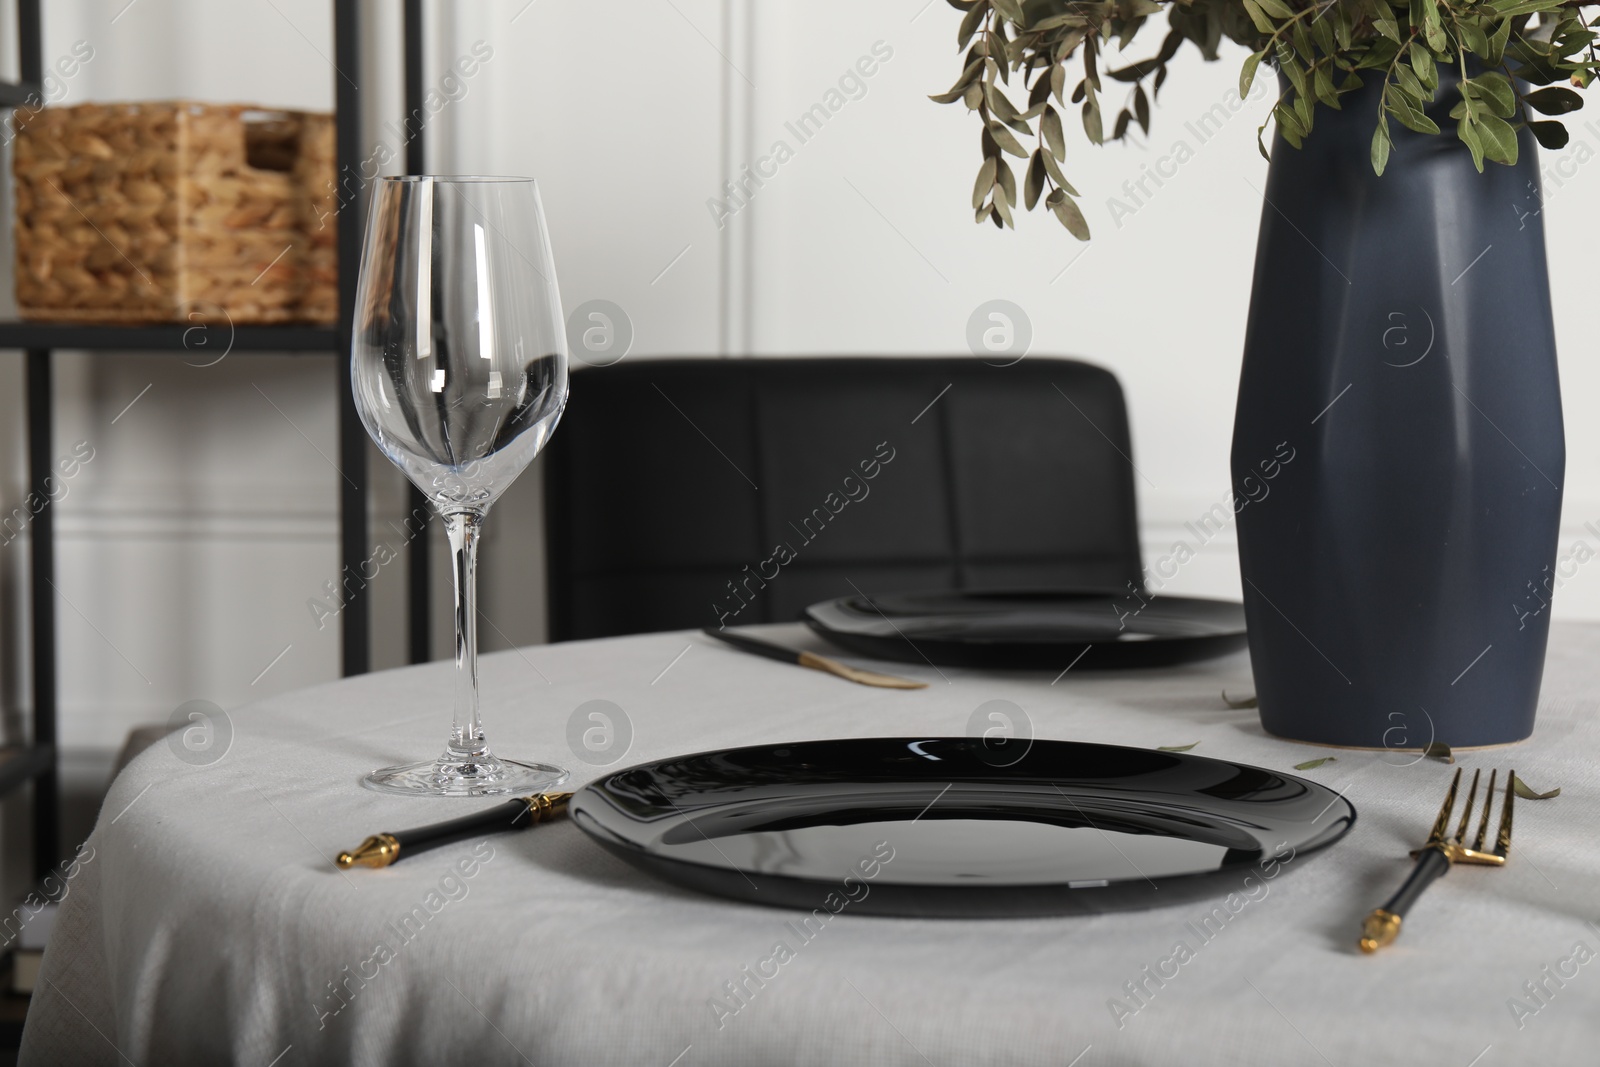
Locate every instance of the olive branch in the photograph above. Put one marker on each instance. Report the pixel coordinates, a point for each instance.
(1324, 49)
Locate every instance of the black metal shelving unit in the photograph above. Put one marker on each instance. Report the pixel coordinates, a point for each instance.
(38, 761)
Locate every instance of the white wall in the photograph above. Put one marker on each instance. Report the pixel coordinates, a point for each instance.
(189, 546)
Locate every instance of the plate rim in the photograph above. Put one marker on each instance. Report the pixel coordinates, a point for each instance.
(826, 630)
(623, 845)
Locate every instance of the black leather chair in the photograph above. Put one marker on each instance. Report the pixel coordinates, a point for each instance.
(691, 492)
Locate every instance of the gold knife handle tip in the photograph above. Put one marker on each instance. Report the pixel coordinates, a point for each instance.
(1379, 929)
(379, 850)
(546, 806)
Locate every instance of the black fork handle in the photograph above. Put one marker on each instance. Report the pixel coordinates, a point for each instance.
(1432, 865)
(1382, 925)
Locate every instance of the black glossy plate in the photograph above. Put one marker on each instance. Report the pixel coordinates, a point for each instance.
(1032, 630)
(950, 826)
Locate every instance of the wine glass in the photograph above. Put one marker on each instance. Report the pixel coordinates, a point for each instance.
(459, 367)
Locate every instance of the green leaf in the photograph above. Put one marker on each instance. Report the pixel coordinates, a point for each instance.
(1259, 17)
(1033, 185)
(1322, 82)
(1526, 791)
(969, 25)
(1121, 126)
(1002, 106)
(1524, 7)
(1388, 27)
(1497, 44)
(1006, 140)
(1141, 109)
(1499, 139)
(1422, 63)
(1469, 137)
(984, 182)
(1410, 117)
(1247, 74)
(1313, 764)
(1302, 43)
(1409, 83)
(1554, 101)
(968, 76)
(1135, 71)
(1040, 91)
(1091, 121)
(1550, 134)
(1497, 90)
(1432, 28)
(1289, 127)
(1006, 181)
(1276, 8)
(1293, 71)
(1054, 170)
(1009, 9)
(1439, 750)
(1242, 702)
(1053, 21)
(1050, 124)
(1003, 209)
(1066, 210)
(1322, 30)
(1176, 748)
(1380, 148)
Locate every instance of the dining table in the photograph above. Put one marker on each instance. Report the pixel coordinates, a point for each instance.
(204, 919)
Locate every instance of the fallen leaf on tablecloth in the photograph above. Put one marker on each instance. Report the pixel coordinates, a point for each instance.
(1313, 764)
(1526, 792)
(1439, 750)
(1242, 702)
(1176, 748)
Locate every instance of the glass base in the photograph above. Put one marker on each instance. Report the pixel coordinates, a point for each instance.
(450, 776)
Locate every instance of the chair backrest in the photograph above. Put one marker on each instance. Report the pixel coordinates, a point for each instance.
(691, 492)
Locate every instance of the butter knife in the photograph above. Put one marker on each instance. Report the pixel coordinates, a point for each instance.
(380, 850)
(757, 647)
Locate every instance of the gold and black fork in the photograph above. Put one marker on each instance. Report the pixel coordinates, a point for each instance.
(1436, 857)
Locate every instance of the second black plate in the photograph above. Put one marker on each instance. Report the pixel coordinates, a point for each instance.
(1031, 630)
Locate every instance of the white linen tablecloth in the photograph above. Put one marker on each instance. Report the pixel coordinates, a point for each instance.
(208, 924)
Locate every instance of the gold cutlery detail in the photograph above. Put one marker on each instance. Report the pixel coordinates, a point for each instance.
(1442, 852)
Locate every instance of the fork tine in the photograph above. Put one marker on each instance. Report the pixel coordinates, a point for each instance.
(1441, 825)
(1483, 827)
(1502, 840)
(1466, 812)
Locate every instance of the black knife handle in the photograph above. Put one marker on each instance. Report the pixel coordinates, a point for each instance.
(380, 850)
(512, 815)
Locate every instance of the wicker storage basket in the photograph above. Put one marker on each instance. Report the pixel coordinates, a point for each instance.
(162, 212)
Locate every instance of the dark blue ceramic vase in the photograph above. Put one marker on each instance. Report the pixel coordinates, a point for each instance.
(1398, 565)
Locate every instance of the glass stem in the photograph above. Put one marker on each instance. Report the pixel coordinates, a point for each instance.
(466, 739)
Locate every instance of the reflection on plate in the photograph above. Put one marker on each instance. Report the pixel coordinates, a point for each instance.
(1043, 630)
(941, 826)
